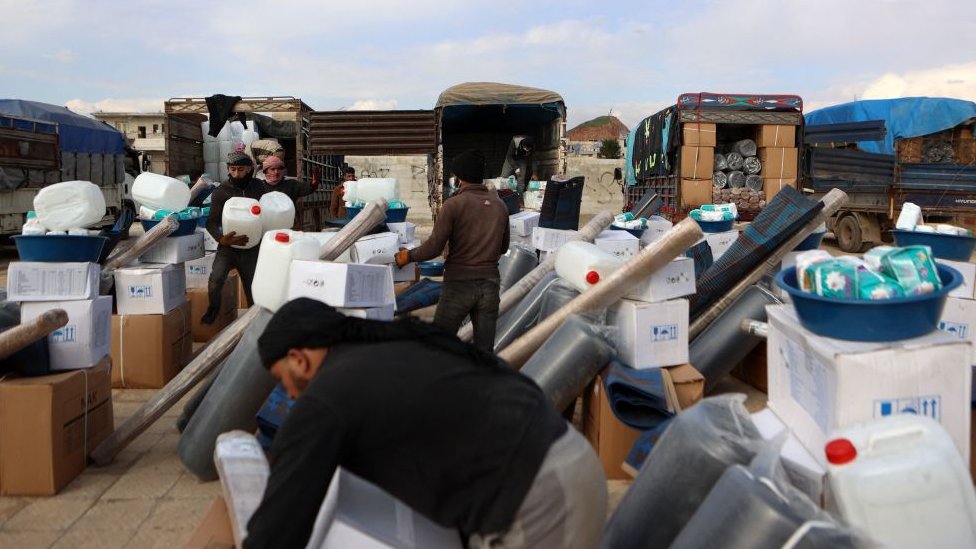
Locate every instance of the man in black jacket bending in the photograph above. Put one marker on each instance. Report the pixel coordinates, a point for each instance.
(444, 427)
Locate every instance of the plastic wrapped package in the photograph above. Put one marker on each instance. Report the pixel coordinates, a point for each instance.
(734, 161)
(751, 165)
(737, 179)
(516, 264)
(720, 163)
(745, 147)
(720, 180)
(754, 182)
(523, 316)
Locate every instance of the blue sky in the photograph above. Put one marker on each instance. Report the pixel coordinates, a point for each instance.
(629, 57)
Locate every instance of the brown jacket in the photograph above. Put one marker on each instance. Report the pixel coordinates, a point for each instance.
(474, 223)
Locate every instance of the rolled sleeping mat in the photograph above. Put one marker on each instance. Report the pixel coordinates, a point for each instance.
(751, 165)
(559, 294)
(523, 316)
(745, 147)
(720, 180)
(569, 360)
(191, 405)
(734, 161)
(754, 182)
(723, 344)
(233, 401)
(518, 262)
(720, 163)
(737, 179)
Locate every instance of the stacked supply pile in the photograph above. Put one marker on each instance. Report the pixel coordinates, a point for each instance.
(520, 227)
(718, 223)
(696, 157)
(232, 136)
(749, 172)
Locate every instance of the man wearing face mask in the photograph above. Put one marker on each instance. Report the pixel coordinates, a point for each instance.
(275, 180)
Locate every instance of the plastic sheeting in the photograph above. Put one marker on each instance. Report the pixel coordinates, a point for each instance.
(905, 117)
(77, 133)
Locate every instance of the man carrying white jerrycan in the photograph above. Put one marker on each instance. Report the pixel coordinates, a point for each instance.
(240, 183)
(474, 225)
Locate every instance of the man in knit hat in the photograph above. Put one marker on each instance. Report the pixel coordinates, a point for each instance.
(474, 225)
(275, 180)
(240, 182)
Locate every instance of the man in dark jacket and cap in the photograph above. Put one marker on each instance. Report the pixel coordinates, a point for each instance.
(473, 223)
(519, 161)
(451, 431)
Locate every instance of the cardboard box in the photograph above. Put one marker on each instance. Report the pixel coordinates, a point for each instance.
(209, 244)
(522, 223)
(199, 303)
(803, 470)
(695, 192)
(149, 289)
(176, 249)
(375, 248)
(85, 340)
(968, 272)
(407, 273)
(386, 312)
(676, 279)
(698, 134)
(650, 335)
(48, 424)
(959, 319)
(774, 135)
(38, 281)
(752, 369)
(697, 163)
(149, 350)
(549, 240)
(779, 162)
(342, 284)
(619, 243)
(819, 384)
(720, 242)
(406, 231)
(214, 531)
(773, 186)
(198, 271)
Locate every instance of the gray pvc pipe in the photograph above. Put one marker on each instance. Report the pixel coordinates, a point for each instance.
(517, 263)
(723, 344)
(515, 322)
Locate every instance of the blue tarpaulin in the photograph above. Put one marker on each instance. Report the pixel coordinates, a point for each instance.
(904, 118)
(77, 133)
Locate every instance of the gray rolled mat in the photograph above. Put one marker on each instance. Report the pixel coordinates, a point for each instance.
(737, 180)
(569, 360)
(719, 162)
(723, 344)
(519, 261)
(719, 180)
(745, 147)
(523, 316)
(754, 182)
(734, 160)
(233, 401)
(751, 165)
(559, 294)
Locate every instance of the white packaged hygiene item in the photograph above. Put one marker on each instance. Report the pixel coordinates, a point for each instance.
(33, 225)
(902, 480)
(583, 264)
(910, 216)
(69, 205)
(371, 188)
(243, 217)
(277, 211)
(160, 192)
(278, 249)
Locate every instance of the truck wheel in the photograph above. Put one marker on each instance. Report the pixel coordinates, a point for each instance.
(848, 233)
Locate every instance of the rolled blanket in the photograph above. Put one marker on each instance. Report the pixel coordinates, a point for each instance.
(719, 180)
(737, 180)
(734, 160)
(720, 162)
(751, 165)
(754, 182)
(637, 397)
(745, 147)
(422, 294)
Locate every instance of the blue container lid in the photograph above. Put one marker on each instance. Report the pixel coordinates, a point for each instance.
(716, 226)
(811, 242)
(60, 248)
(944, 246)
(393, 215)
(187, 226)
(431, 268)
(864, 320)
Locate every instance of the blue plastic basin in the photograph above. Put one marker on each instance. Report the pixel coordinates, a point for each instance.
(811, 242)
(60, 248)
(716, 226)
(636, 232)
(431, 268)
(944, 246)
(187, 226)
(881, 320)
(393, 215)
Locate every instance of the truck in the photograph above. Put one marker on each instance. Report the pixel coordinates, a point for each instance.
(672, 152)
(285, 118)
(480, 115)
(884, 153)
(42, 144)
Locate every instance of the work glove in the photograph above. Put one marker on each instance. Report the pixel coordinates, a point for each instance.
(231, 239)
(402, 257)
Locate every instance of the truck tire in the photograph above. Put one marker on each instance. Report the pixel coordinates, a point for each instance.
(848, 233)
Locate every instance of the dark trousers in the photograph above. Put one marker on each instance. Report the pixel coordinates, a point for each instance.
(245, 261)
(478, 298)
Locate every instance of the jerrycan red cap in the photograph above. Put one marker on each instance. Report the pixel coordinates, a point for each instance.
(592, 277)
(282, 237)
(256, 210)
(840, 451)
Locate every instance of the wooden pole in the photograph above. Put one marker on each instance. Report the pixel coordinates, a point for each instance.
(681, 237)
(513, 295)
(832, 201)
(372, 215)
(21, 336)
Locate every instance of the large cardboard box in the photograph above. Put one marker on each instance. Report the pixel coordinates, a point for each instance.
(773, 186)
(775, 135)
(621, 244)
(198, 271)
(342, 284)
(149, 350)
(84, 340)
(176, 249)
(698, 134)
(657, 227)
(650, 335)
(819, 384)
(522, 223)
(48, 425)
(720, 242)
(959, 319)
(200, 302)
(803, 470)
(697, 163)
(779, 162)
(695, 192)
(39, 281)
(405, 231)
(676, 279)
(968, 271)
(549, 240)
(375, 247)
(214, 531)
(149, 289)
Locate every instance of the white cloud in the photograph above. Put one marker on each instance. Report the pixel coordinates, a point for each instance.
(372, 105)
(62, 56)
(956, 81)
(115, 105)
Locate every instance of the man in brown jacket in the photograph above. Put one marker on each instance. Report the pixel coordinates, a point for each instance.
(474, 225)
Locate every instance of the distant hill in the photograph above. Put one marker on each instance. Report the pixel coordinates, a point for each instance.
(598, 129)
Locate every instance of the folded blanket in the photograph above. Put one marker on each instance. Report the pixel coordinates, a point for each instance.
(637, 397)
(422, 294)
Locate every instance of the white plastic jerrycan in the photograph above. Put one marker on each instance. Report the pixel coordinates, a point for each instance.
(160, 192)
(278, 249)
(584, 265)
(277, 211)
(371, 188)
(243, 216)
(902, 481)
(69, 205)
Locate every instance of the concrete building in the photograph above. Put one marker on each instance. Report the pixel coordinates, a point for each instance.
(146, 132)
